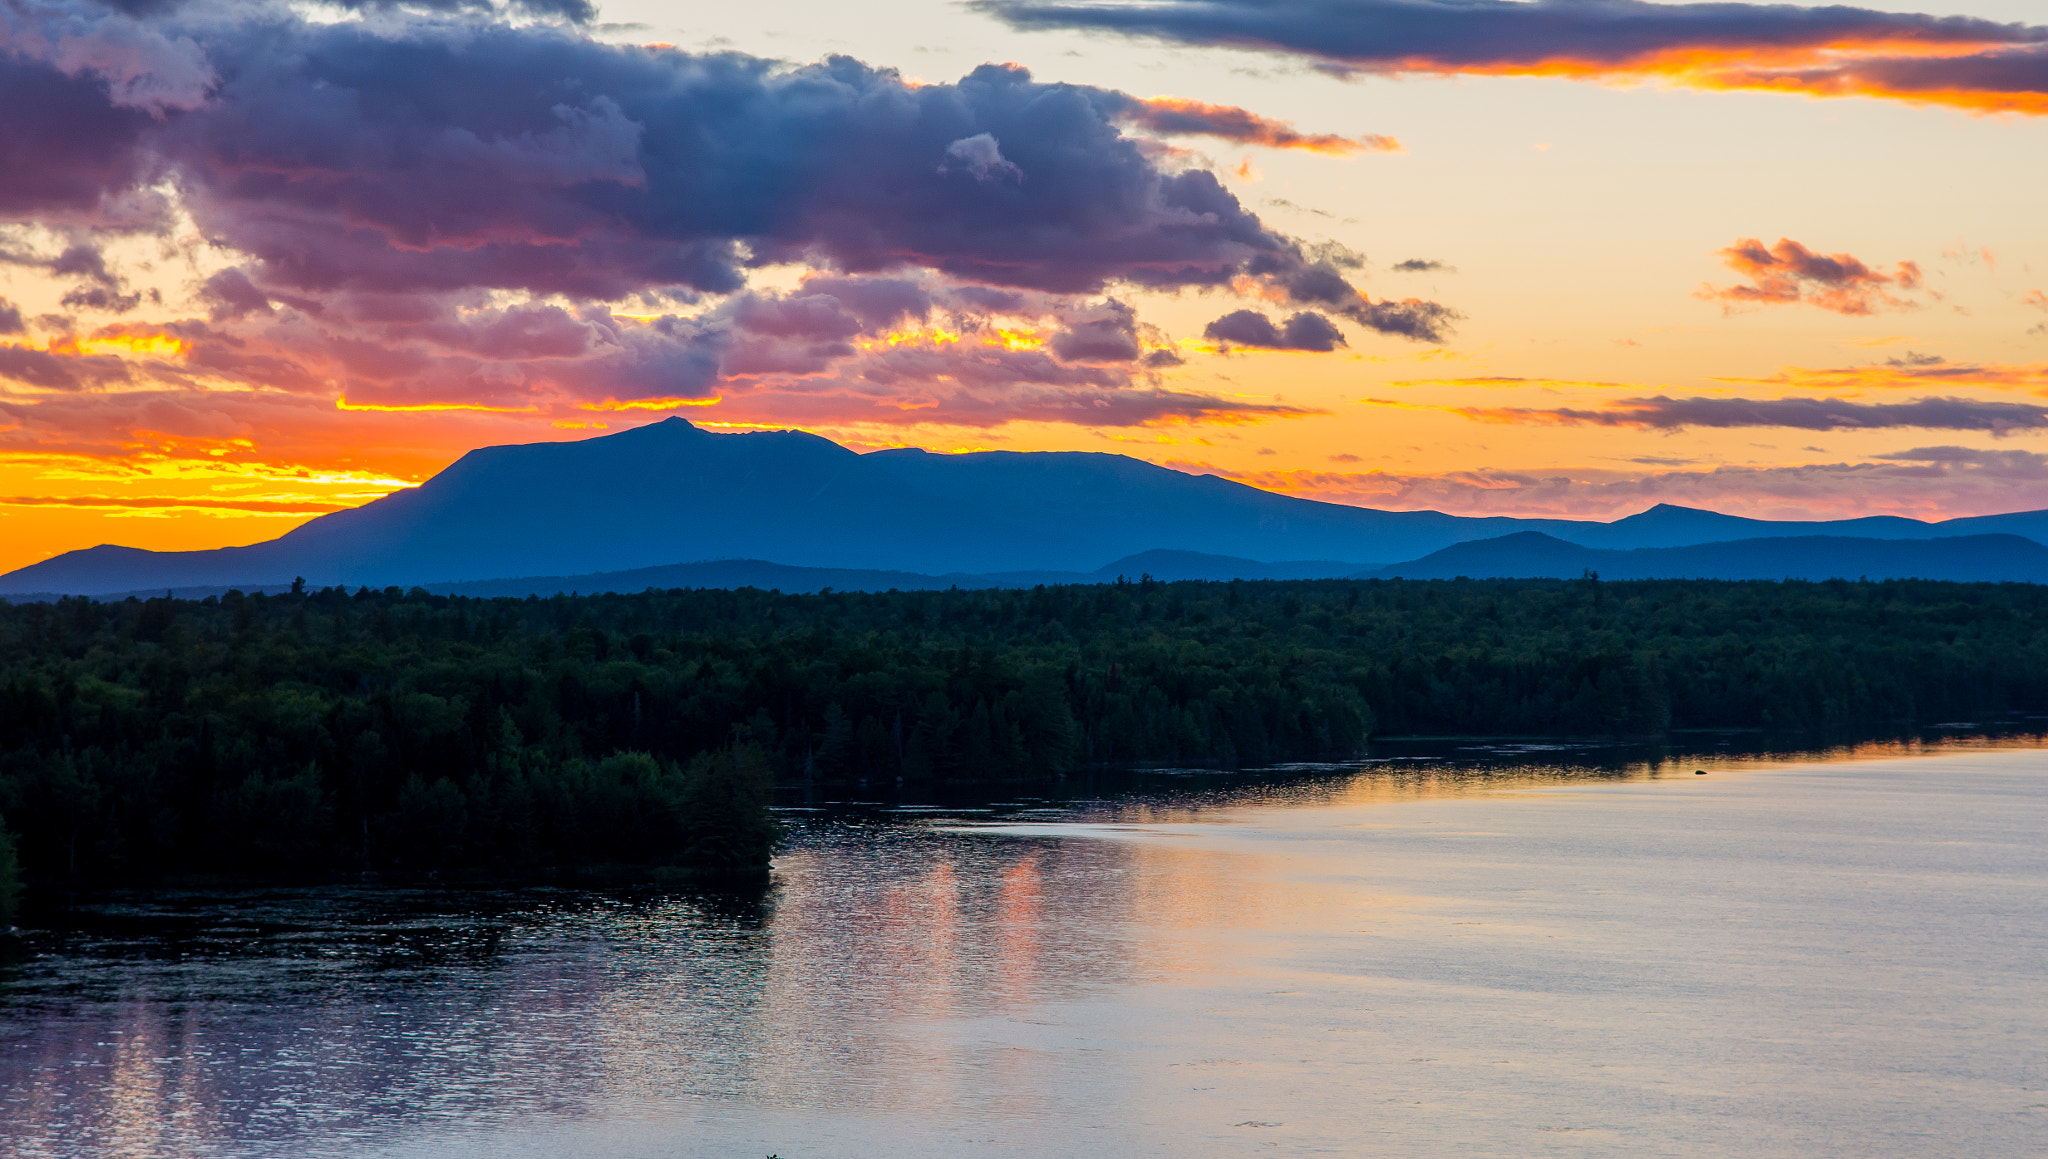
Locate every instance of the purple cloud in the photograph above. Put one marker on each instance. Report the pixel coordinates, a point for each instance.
(1303, 331)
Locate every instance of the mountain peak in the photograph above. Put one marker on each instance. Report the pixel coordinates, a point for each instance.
(1665, 512)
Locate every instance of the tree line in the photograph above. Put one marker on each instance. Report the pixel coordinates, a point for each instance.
(330, 731)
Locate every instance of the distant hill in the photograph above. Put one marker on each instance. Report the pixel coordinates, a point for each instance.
(671, 494)
(1534, 555)
(754, 573)
(1666, 525)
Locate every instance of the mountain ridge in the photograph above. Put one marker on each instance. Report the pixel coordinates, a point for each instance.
(671, 493)
(1993, 558)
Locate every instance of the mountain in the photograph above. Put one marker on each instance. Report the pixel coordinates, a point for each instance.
(1534, 555)
(670, 494)
(754, 573)
(1666, 525)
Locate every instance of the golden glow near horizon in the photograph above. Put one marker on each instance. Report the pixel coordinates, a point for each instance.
(1621, 341)
(342, 403)
(649, 404)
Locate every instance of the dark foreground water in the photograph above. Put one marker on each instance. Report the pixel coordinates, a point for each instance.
(1824, 957)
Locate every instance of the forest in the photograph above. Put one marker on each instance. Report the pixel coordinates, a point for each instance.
(325, 733)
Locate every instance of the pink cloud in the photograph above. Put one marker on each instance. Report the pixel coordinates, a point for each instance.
(1790, 273)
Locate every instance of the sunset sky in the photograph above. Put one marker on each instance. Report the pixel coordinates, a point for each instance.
(259, 262)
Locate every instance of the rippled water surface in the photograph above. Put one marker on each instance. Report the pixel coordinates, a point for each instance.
(1824, 957)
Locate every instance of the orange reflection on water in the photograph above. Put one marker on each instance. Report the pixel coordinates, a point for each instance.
(1020, 913)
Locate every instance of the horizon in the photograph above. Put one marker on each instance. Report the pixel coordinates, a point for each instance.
(1618, 518)
(1633, 259)
(1359, 559)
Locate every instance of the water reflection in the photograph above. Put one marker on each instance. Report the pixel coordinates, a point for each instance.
(1516, 938)
(152, 1026)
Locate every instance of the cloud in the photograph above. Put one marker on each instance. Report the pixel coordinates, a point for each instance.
(869, 350)
(1808, 414)
(101, 287)
(427, 158)
(1975, 64)
(456, 212)
(422, 155)
(1171, 116)
(231, 295)
(1924, 483)
(1420, 266)
(1416, 318)
(1507, 381)
(1303, 331)
(1789, 272)
(171, 502)
(979, 406)
(1971, 456)
(1108, 334)
(981, 157)
(80, 158)
(139, 66)
(100, 298)
(58, 370)
(10, 318)
(1905, 373)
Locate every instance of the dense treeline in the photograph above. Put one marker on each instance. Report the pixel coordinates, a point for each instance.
(334, 731)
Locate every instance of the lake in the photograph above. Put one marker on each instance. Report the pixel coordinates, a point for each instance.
(1515, 953)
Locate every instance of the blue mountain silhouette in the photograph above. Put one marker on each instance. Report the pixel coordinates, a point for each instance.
(673, 494)
(1534, 555)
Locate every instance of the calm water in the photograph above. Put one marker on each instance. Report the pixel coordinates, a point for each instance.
(1838, 957)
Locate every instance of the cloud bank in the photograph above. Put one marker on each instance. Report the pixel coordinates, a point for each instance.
(1806, 414)
(1962, 62)
(1936, 482)
(450, 210)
